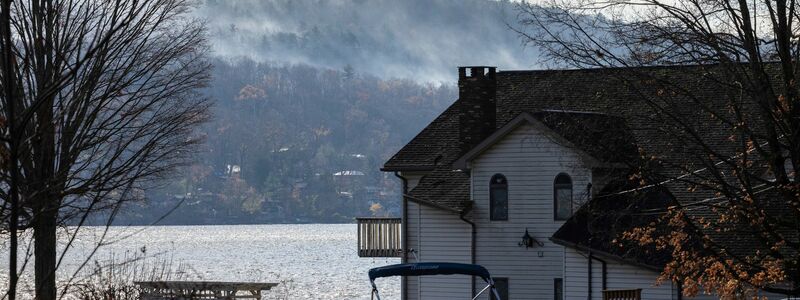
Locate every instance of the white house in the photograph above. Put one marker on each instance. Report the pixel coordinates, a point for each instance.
(518, 155)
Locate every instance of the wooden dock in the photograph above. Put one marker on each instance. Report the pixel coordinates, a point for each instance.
(163, 290)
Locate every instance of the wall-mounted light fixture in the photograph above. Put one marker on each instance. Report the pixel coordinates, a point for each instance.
(528, 241)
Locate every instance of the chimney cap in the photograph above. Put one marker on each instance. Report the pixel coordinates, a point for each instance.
(476, 71)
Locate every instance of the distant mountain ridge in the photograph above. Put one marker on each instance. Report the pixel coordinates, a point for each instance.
(312, 97)
(423, 40)
(295, 144)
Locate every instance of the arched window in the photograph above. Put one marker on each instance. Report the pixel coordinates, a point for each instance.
(498, 198)
(562, 197)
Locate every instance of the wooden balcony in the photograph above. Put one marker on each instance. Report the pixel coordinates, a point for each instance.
(379, 237)
(622, 294)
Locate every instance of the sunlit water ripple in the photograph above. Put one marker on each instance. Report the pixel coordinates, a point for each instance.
(314, 261)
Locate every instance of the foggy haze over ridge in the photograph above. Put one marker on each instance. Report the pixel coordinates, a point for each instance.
(308, 89)
(423, 40)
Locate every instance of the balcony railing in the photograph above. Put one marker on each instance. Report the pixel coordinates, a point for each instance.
(622, 294)
(379, 237)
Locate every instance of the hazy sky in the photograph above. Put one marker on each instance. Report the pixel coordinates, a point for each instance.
(421, 39)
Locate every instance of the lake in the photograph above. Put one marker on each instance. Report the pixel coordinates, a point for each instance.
(312, 261)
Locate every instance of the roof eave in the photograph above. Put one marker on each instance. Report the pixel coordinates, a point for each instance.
(433, 204)
(407, 169)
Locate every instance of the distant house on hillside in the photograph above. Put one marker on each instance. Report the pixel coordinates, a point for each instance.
(349, 173)
(519, 155)
(349, 180)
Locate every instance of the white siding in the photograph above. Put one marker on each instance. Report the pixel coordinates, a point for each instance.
(437, 236)
(622, 277)
(576, 276)
(530, 162)
(412, 242)
(619, 277)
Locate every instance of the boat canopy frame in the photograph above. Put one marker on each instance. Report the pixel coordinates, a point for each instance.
(432, 268)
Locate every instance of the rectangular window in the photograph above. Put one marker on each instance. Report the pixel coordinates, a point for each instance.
(562, 197)
(499, 204)
(563, 203)
(558, 289)
(502, 288)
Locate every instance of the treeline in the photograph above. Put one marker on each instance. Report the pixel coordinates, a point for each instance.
(295, 144)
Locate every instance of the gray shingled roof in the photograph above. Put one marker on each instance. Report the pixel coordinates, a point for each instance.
(445, 188)
(602, 91)
(436, 143)
(590, 90)
(605, 137)
(598, 225)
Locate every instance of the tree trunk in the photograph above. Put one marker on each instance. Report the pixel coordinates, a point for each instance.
(44, 232)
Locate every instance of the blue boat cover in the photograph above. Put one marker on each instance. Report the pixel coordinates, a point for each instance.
(428, 268)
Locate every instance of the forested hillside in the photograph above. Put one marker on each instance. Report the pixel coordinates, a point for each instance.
(297, 144)
(312, 97)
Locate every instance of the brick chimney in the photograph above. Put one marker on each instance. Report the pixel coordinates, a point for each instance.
(476, 93)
